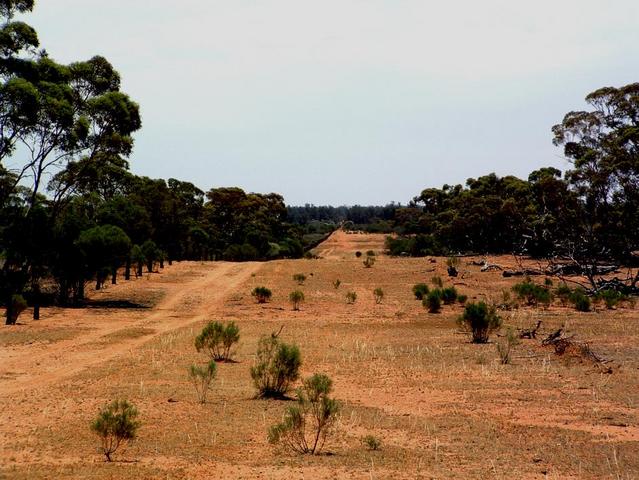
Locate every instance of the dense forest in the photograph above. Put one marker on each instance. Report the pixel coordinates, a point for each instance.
(72, 213)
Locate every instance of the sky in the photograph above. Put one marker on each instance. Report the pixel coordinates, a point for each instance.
(348, 101)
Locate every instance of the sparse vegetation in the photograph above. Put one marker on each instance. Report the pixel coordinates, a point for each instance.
(449, 295)
(378, 294)
(262, 294)
(580, 300)
(300, 278)
(217, 340)
(420, 290)
(115, 424)
(433, 301)
(462, 299)
(369, 262)
(437, 281)
(532, 293)
(276, 367)
(351, 297)
(306, 425)
(372, 442)
(337, 283)
(481, 320)
(18, 305)
(201, 378)
(296, 297)
(611, 298)
(370, 253)
(505, 346)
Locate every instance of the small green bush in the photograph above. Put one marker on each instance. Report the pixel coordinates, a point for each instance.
(369, 262)
(337, 283)
(563, 292)
(372, 442)
(276, 367)
(378, 293)
(580, 300)
(452, 262)
(217, 340)
(433, 301)
(420, 290)
(610, 297)
(370, 253)
(262, 294)
(437, 281)
(306, 425)
(116, 424)
(201, 378)
(449, 295)
(296, 298)
(351, 297)
(18, 305)
(481, 320)
(462, 299)
(532, 293)
(300, 278)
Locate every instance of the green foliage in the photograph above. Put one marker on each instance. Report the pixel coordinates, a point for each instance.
(337, 283)
(296, 297)
(116, 423)
(217, 340)
(437, 281)
(201, 378)
(151, 253)
(532, 293)
(481, 320)
(563, 292)
(276, 366)
(505, 346)
(433, 301)
(300, 278)
(18, 305)
(370, 253)
(262, 294)
(351, 297)
(306, 425)
(449, 295)
(452, 262)
(378, 294)
(462, 299)
(610, 297)
(420, 290)
(372, 442)
(580, 300)
(369, 262)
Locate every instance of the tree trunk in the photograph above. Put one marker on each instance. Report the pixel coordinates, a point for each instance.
(97, 284)
(9, 312)
(114, 275)
(127, 269)
(161, 263)
(36, 300)
(149, 266)
(139, 271)
(170, 261)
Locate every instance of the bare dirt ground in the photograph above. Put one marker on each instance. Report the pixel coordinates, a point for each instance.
(442, 407)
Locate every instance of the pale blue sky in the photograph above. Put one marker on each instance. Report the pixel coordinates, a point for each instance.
(348, 101)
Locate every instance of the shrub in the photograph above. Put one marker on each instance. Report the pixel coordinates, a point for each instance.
(372, 442)
(18, 305)
(462, 298)
(563, 292)
(449, 295)
(420, 290)
(548, 282)
(358, 254)
(296, 297)
(532, 293)
(369, 262)
(262, 294)
(481, 320)
(306, 425)
(276, 366)
(217, 340)
(580, 300)
(433, 301)
(378, 293)
(201, 379)
(505, 346)
(351, 297)
(115, 424)
(610, 297)
(370, 253)
(300, 278)
(337, 283)
(437, 281)
(452, 262)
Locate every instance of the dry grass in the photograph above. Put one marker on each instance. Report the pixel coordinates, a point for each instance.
(443, 407)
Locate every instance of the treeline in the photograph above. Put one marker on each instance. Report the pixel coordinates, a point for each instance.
(316, 219)
(70, 210)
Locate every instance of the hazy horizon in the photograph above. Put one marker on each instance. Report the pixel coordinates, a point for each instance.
(347, 102)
